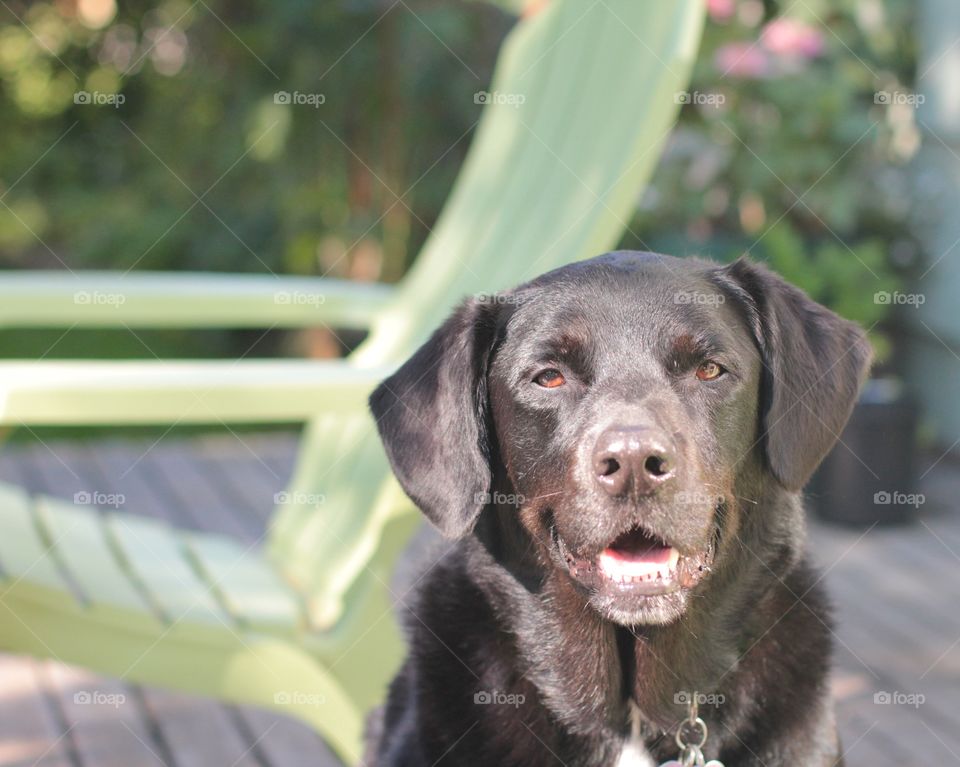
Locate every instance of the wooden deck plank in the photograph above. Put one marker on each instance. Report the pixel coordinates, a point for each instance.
(11, 470)
(30, 734)
(279, 453)
(881, 585)
(286, 742)
(105, 721)
(901, 657)
(60, 469)
(945, 531)
(937, 706)
(23, 465)
(198, 733)
(255, 488)
(119, 463)
(185, 486)
(865, 743)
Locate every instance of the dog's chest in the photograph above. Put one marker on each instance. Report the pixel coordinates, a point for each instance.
(634, 753)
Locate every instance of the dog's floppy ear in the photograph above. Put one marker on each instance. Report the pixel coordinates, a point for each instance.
(432, 415)
(814, 363)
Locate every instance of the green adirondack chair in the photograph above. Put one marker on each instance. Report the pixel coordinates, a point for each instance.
(307, 624)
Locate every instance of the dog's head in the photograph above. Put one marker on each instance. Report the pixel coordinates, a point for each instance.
(622, 412)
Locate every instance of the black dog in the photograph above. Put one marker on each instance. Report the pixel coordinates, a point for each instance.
(619, 447)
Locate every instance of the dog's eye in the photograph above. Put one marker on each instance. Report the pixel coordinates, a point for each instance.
(709, 371)
(549, 379)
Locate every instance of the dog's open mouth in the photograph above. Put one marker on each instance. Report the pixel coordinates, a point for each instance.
(638, 562)
(638, 555)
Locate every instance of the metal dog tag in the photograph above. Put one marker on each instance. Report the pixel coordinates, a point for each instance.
(695, 729)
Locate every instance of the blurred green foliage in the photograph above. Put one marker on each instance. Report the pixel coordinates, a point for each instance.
(203, 166)
(787, 151)
(782, 150)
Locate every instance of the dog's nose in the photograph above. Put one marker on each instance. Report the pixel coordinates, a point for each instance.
(636, 460)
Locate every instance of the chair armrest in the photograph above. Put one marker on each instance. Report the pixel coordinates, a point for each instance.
(71, 393)
(184, 300)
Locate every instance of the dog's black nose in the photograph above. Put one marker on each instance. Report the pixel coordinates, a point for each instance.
(636, 460)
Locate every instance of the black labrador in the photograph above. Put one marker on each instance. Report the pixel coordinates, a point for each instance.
(618, 448)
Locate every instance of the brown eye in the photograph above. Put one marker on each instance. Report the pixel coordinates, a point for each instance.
(550, 379)
(709, 371)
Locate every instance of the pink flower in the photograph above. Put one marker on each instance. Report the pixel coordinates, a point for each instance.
(721, 10)
(790, 37)
(742, 60)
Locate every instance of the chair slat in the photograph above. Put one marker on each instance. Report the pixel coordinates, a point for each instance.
(26, 560)
(148, 299)
(157, 556)
(82, 547)
(330, 442)
(99, 392)
(249, 588)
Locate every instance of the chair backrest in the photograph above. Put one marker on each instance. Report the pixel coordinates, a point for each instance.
(547, 181)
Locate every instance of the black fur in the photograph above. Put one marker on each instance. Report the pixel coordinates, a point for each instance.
(503, 465)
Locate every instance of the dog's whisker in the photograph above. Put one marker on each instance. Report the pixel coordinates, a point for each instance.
(545, 495)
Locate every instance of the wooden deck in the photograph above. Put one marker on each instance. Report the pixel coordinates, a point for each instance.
(895, 590)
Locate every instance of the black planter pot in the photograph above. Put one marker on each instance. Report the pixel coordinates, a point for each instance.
(875, 480)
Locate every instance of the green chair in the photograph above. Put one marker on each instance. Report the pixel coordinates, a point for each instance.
(307, 624)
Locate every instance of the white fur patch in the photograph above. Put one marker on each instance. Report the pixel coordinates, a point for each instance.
(634, 753)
